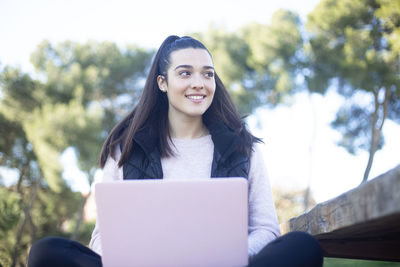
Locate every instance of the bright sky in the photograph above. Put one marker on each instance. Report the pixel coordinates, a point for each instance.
(287, 131)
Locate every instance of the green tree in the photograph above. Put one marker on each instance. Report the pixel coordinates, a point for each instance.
(274, 56)
(24, 216)
(77, 94)
(355, 46)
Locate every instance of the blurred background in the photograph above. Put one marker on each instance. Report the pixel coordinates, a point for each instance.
(318, 79)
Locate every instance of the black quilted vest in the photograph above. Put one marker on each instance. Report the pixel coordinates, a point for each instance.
(145, 163)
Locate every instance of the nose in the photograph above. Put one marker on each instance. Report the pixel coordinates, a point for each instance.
(197, 81)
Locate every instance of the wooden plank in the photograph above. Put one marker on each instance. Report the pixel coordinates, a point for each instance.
(387, 250)
(373, 240)
(363, 223)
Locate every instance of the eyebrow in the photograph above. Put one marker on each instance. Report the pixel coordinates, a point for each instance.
(191, 67)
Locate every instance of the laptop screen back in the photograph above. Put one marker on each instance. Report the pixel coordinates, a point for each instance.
(173, 222)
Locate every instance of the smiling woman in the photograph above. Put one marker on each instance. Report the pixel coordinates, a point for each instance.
(190, 86)
(186, 126)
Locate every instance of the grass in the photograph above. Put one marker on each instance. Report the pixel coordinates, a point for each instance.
(335, 262)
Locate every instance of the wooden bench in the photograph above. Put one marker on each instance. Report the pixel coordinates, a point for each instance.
(363, 223)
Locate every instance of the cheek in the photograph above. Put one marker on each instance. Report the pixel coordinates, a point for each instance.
(174, 88)
(212, 88)
(178, 86)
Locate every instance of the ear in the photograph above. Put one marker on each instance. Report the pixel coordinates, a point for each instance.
(162, 83)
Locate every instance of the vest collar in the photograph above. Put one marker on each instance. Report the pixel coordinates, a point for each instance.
(146, 138)
(225, 140)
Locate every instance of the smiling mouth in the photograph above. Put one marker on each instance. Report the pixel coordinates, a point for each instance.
(196, 97)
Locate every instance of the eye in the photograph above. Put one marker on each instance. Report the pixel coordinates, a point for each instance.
(184, 73)
(209, 74)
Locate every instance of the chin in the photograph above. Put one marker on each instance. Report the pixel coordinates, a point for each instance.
(196, 113)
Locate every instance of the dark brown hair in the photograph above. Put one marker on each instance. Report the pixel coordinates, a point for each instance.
(152, 109)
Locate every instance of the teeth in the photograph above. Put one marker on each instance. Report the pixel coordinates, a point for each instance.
(195, 97)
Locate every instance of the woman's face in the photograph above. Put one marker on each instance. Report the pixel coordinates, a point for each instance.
(191, 84)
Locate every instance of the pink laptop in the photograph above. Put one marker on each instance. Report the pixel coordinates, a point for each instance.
(173, 222)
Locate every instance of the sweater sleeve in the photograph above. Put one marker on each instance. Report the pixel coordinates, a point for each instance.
(111, 172)
(263, 221)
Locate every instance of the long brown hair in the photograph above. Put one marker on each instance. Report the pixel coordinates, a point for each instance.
(152, 109)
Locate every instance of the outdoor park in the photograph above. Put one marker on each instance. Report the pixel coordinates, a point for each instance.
(320, 84)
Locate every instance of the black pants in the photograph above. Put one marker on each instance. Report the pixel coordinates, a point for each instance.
(292, 249)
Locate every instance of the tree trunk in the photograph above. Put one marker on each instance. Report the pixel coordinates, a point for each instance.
(376, 129)
(30, 199)
(30, 221)
(14, 254)
(27, 219)
(80, 217)
(79, 220)
(374, 145)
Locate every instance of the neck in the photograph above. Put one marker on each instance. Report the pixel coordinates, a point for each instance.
(191, 128)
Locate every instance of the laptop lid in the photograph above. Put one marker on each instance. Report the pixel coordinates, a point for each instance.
(196, 222)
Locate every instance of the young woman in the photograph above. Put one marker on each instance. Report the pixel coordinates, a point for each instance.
(186, 120)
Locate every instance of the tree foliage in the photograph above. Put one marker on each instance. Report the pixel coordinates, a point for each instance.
(274, 52)
(77, 94)
(355, 44)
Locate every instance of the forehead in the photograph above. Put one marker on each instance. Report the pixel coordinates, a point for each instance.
(191, 56)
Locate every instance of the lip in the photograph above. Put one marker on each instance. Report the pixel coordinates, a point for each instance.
(196, 98)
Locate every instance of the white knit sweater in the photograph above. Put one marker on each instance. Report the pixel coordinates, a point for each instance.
(193, 158)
